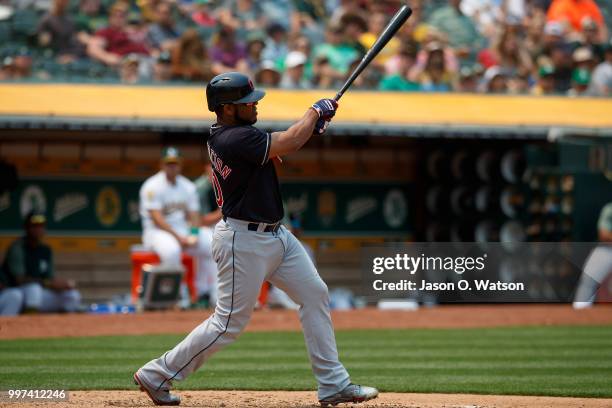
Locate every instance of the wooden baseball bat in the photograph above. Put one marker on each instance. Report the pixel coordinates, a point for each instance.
(394, 25)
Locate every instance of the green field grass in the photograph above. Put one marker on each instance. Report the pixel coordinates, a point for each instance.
(556, 361)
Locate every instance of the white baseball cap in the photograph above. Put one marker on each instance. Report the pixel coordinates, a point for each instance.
(555, 28)
(294, 59)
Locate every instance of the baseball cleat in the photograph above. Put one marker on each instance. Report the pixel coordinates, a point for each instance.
(159, 397)
(353, 393)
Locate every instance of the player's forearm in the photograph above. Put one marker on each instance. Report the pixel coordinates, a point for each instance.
(194, 218)
(161, 223)
(292, 139)
(211, 218)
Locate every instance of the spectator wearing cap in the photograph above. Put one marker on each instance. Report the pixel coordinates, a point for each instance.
(190, 60)
(161, 70)
(163, 33)
(7, 68)
(554, 36)
(601, 79)
(580, 82)
(573, 12)
(268, 75)
(57, 31)
(467, 80)
(462, 34)
(546, 81)
(293, 77)
(302, 44)
(495, 80)
(129, 69)
(398, 81)
(591, 39)
(29, 265)
(137, 29)
(583, 59)
(276, 44)
(109, 45)
(227, 53)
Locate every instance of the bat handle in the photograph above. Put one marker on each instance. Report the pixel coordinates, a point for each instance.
(338, 96)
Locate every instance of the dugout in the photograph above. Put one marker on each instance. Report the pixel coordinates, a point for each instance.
(393, 166)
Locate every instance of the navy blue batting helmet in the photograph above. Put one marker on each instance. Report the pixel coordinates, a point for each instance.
(231, 87)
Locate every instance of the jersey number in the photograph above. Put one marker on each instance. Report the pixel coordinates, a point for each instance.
(217, 189)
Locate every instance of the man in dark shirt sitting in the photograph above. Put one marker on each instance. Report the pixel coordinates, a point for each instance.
(29, 263)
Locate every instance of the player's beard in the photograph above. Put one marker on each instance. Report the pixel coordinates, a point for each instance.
(243, 122)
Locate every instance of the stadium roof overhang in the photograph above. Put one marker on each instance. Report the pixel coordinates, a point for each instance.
(182, 109)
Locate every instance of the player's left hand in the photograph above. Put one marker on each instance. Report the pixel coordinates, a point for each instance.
(326, 108)
(321, 126)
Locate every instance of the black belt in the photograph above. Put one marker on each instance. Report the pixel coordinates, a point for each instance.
(254, 226)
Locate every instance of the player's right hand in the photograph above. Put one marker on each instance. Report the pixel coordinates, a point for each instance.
(326, 108)
(186, 241)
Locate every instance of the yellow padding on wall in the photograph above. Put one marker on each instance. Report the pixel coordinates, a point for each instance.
(176, 103)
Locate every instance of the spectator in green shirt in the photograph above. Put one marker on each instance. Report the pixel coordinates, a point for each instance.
(29, 263)
(337, 52)
(399, 81)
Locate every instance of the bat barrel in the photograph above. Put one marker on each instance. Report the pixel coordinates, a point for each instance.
(394, 25)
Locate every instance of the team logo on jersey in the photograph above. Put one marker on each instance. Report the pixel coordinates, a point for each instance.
(108, 206)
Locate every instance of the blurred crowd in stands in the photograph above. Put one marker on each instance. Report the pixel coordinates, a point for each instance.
(537, 47)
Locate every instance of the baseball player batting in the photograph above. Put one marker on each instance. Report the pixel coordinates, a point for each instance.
(250, 246)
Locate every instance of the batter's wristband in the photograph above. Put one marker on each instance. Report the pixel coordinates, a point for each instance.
(317, 109)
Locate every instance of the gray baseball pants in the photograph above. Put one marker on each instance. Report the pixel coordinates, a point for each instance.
(245, 259)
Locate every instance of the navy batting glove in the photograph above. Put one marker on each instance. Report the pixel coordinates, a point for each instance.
(326, 108)
(320, 126)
